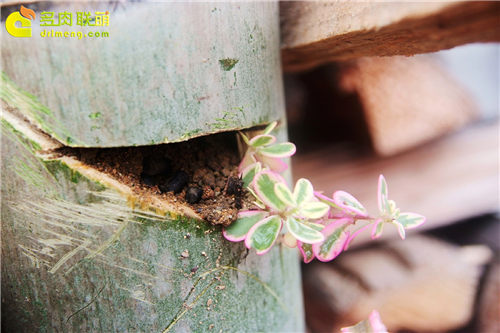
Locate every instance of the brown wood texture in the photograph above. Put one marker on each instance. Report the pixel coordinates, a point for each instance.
(314, 33)
(421, 285)
(407, 101)
(446, 180)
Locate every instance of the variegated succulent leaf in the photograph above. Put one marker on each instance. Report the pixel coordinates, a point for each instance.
(303, 232)
(238, 230)
(319, 226)
(334, 243)
(263, 234)
(371, 325)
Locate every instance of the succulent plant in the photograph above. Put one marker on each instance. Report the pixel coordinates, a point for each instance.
(320, 226)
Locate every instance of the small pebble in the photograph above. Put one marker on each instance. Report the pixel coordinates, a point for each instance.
(176, 184)
(185, 254)
(193, 195)
(203, 253)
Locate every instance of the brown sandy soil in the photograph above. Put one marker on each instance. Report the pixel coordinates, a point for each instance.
(203, 166)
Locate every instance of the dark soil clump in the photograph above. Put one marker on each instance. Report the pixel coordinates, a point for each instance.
(201, 173)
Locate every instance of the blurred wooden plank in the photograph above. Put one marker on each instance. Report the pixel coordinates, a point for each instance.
(445, 180)
(406, 101)
(420, 285)
(314, 33)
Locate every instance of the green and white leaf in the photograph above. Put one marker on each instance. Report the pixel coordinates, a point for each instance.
(284, 194)
(303, 191)
(332, 246)
(245, 138)
(302, 232)
(248, 174)
(314, 210)
(401, 229)
(239, 228)
(270, 127)
(410, 220)
(264, 188)
(262, 140)
(347, 200)
(262, 235)
(377, 229)
(284, 149)
(383, 204)
(315, 226)
(393, 210)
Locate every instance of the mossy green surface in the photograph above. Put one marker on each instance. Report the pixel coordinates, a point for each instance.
(166, 72)
(77, 257)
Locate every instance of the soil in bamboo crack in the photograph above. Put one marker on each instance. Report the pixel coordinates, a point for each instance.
(201, 173)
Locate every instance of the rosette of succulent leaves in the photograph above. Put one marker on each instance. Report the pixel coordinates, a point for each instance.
(320, 226)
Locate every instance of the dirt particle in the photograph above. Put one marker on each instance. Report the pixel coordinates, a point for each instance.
(222, 215)
(217, 261)
(193, 195)
(228, 63)
(226, 172)
(217, 191)
(203, 253)
(176, 184)
(187, 236)
(194, 269)
(234, 186)
(185, 254)
(211, 326)
(204, 176)
(209, 302)
(208, 193)
(221, 287)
